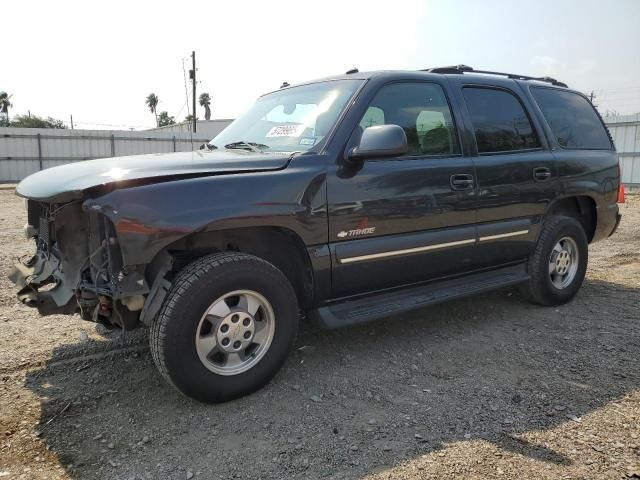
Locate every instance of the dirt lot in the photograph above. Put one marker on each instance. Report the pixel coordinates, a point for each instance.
(487, 387)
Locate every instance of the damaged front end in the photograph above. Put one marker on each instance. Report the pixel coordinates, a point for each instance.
(78, 267)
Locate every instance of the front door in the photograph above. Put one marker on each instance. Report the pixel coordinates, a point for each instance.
(398, 221)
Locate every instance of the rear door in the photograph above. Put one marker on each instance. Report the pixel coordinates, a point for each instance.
(402, 220)
(515, 170)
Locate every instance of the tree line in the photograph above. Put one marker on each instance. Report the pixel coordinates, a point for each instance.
(24, 121)
(163, 118)
(34, 121)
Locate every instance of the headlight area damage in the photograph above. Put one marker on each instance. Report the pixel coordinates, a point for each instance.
(78, 267)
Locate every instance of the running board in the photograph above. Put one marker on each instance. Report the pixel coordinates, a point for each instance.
(376, 306)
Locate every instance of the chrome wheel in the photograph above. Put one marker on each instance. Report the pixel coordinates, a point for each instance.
(235, 332)
(563, 262)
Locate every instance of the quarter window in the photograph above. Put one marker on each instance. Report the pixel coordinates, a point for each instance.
(499, 120)
(572, 119)
(421, 109)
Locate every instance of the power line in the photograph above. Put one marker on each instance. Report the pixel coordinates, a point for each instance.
(76, 122)
(182, 108)
(193, 91)
(186, 90)
(617, 89)
(186, 94)
(617, 100)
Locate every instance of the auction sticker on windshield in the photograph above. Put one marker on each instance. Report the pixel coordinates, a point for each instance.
(307, 141)
(286, 131)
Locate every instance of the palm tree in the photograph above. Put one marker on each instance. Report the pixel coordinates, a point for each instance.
(4, 106)
(152, 103)
(205, 101)
(165, 119)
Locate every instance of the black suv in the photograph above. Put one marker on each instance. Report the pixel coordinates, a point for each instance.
(350, 198)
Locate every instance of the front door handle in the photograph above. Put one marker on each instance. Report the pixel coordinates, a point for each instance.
(541, 174)
(461, 181)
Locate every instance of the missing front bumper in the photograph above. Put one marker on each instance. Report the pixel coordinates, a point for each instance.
(32, 276)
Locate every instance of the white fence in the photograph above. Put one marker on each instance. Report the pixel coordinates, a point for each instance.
(24, 151)
(625, 131)
(205, 128)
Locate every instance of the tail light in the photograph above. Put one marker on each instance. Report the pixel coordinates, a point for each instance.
(620, 198)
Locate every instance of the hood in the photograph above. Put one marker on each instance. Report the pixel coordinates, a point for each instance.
(67, 182)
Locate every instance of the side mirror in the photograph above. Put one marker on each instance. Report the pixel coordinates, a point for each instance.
(203, 147)
(380, 141)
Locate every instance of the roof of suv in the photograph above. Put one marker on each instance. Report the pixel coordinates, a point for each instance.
(468, 72)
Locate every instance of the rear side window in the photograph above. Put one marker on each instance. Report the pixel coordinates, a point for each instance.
(499, 120)
(573, 121)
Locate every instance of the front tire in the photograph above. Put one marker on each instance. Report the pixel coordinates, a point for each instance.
(558, 264)
(225, 328)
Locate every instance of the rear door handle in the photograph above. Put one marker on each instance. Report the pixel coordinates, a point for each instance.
(461, 181)
(541, 174)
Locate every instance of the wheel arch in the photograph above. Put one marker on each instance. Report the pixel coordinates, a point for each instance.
(279, 246)
(581, 207)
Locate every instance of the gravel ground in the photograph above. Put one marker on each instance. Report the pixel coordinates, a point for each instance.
(486, 387)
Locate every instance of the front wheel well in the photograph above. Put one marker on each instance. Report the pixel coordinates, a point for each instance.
(279, 246)
(582, 208)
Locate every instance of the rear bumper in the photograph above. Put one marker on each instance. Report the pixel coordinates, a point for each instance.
(618, 218)
(608, 219)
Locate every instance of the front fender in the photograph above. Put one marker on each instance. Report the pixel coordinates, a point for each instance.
(147, 218)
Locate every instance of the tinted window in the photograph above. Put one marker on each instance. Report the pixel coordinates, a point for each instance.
(572, 119)
(421, 109)
(373, 116)
(499, 120)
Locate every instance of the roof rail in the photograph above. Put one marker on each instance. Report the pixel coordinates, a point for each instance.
(459, 69)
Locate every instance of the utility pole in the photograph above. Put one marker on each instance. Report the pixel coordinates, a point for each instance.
(71, 121)
(591, 96)
(193, 83)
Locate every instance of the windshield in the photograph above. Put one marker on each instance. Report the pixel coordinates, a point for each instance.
(291, 120)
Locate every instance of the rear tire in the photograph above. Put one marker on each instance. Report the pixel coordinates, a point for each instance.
(225, 328)
(558, 264)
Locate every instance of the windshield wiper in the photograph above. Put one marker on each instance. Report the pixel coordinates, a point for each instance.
(242, 145)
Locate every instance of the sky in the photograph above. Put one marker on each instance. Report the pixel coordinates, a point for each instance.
(99, 60)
